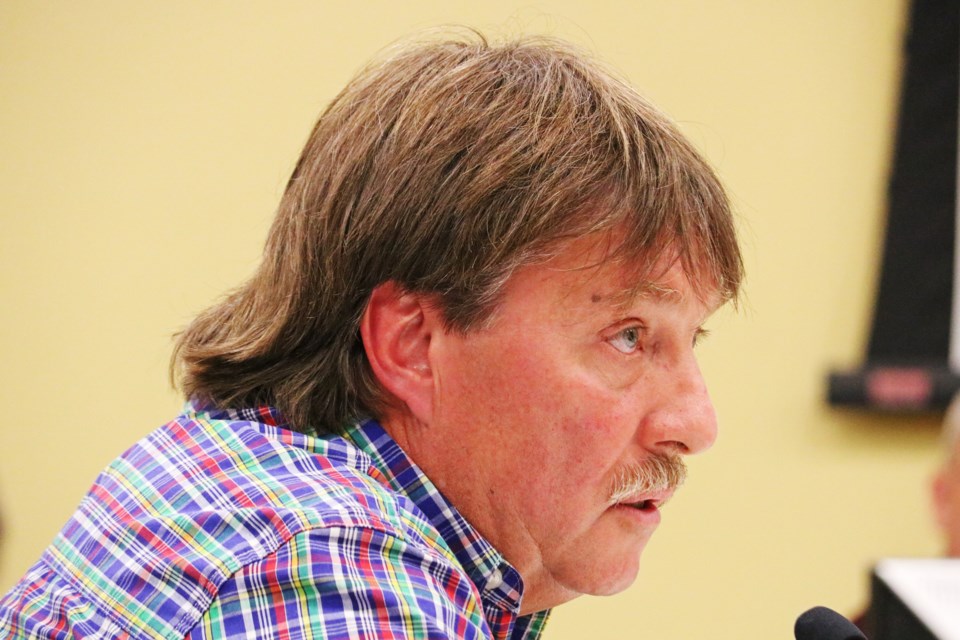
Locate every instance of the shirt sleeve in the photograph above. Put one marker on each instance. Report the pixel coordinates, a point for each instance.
(345, 583)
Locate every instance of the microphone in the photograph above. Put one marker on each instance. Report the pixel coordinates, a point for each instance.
(821, 623)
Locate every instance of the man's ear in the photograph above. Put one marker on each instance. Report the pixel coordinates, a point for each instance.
(396, 329)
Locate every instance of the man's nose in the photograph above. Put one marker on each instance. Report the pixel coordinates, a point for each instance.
(682, 419)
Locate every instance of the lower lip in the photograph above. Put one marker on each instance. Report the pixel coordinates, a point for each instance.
(643, 517)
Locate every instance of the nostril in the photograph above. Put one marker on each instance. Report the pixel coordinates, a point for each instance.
(675, 447)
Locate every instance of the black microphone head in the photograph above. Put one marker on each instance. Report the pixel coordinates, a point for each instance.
(821, 623)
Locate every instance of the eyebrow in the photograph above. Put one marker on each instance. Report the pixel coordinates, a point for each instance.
(626, 297)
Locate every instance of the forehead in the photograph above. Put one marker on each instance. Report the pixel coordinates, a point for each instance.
(594, 266)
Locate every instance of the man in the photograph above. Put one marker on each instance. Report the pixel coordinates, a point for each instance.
(454, 394)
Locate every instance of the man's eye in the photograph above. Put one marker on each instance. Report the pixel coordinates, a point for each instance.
(626, 341)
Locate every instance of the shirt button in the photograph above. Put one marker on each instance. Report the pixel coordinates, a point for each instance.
(495, 580)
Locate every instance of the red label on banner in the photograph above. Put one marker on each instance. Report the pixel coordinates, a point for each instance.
(899, 387)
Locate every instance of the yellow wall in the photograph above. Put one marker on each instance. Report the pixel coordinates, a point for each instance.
(143, 147)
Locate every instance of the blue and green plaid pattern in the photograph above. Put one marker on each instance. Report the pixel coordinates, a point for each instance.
(226, 524)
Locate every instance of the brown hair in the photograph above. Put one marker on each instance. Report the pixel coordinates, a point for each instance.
(444, 167)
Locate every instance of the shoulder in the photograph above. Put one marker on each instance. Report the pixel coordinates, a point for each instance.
(207, 463)
(205, 501)
(246, 486)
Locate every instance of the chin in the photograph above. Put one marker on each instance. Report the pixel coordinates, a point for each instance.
(606, 578)
(621, 583)
(602, 564)
(588, 575)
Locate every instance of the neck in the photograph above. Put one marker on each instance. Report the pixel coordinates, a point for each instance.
(450, 462)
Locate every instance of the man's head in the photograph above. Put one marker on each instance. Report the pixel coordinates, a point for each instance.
(505, 255)
(946, 482)
(444, 168)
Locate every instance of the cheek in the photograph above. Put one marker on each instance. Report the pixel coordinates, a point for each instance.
(544, 407)
(600, 413)
(595, 435)
(515, 382)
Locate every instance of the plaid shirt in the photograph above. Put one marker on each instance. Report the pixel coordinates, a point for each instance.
(225, 524)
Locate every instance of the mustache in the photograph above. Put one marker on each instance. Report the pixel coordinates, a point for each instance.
(657, 473)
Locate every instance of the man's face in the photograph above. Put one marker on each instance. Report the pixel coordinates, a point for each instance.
(572, 383)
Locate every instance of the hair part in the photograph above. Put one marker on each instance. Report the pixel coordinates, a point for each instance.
(444, 167)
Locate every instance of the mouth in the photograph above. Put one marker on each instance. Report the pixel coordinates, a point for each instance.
(643, 501)
(649, 505)
(646, 485)
(642, 511)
